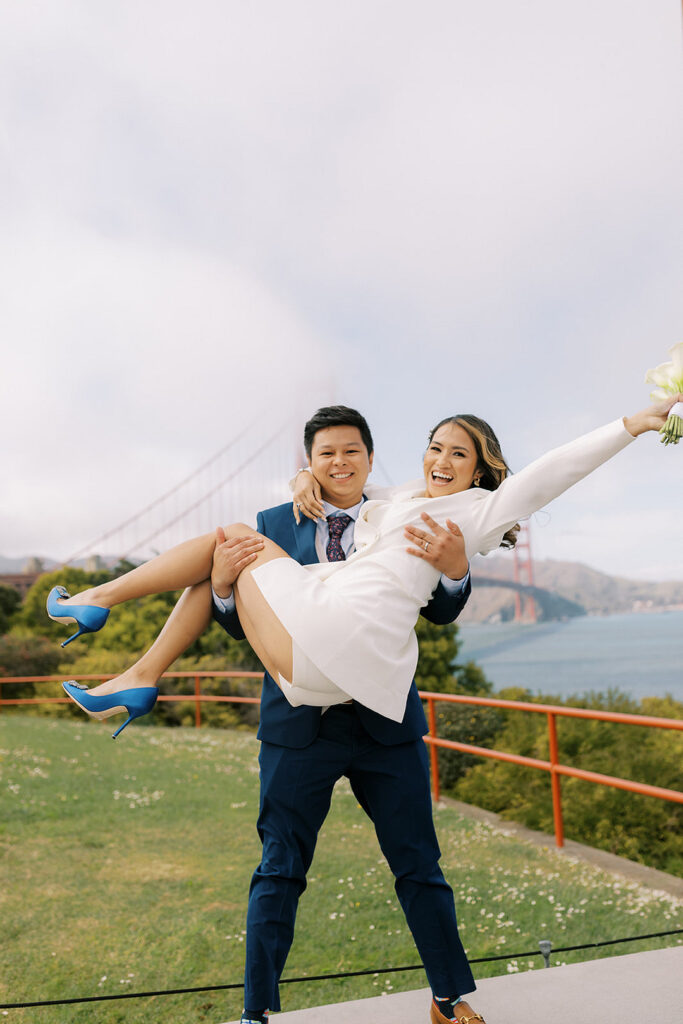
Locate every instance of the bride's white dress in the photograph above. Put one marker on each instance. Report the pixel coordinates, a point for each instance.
(352, 623)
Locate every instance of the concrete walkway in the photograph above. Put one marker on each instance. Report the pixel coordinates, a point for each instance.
(636, 989)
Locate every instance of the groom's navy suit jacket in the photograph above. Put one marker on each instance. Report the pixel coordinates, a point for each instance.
(286, 726)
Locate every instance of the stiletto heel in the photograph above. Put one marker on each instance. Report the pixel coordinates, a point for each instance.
(122, 727)
(137, 702)
(88, 617)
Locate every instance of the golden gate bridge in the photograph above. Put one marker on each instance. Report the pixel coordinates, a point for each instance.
(248, 473)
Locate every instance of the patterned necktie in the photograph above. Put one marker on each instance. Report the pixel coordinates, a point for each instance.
(336, 525)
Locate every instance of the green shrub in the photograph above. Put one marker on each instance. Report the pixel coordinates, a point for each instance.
(641, 828)
(10, 600)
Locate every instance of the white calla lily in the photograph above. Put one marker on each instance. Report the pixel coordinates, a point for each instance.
(676, 353)
(659, 376)
(668, 381)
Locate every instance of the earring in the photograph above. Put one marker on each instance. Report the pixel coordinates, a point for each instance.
(476, 481)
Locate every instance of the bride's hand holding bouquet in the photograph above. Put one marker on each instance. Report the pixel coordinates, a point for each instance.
(658, 417)
(668, 395)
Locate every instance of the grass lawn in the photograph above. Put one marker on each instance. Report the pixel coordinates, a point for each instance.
(125, 867)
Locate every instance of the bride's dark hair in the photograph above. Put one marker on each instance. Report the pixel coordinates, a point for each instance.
(490, 460)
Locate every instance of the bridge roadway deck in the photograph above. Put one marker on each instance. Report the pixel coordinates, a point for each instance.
(639, 987)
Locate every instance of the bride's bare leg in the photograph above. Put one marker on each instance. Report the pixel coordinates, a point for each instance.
(182, 566)
(189, 565)
(269, 639)
(187, 621)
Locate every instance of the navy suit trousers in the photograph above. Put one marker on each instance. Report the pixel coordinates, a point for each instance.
(391, 783)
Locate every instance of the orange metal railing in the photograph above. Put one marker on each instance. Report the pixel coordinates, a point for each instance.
(552, 712)
(197, 696)
(553, 766)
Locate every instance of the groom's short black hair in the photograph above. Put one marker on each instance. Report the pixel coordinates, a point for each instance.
(336, 416)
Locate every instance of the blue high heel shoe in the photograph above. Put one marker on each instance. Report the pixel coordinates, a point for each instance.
(88, 617)
(137, 702)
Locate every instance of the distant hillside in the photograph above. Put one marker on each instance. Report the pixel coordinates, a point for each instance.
(579, 590)
(20, 563)
(26, 563)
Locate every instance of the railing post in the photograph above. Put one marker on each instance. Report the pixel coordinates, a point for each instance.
(555, 780)
(433, 752)
(197, 704)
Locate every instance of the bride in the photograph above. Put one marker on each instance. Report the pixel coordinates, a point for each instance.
(338, 630)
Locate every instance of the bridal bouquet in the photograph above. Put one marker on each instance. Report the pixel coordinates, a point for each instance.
(668, 380)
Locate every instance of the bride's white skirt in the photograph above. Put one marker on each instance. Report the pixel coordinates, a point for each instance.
(352, 628)
(311, 686)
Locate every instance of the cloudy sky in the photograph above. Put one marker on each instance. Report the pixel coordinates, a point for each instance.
(220, 214)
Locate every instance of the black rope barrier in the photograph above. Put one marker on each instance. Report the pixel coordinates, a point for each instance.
(327, 977)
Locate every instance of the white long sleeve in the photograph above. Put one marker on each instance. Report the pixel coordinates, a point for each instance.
(538, 483)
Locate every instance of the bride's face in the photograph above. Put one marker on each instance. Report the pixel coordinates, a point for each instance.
(450, 462)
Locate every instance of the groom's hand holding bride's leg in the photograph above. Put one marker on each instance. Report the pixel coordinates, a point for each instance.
(230, 557)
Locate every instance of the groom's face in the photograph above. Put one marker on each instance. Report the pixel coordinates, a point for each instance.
(341, 464)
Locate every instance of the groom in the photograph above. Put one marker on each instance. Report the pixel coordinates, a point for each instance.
(304, 750)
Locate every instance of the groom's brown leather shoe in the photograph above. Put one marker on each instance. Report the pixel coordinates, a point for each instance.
(462, 1014)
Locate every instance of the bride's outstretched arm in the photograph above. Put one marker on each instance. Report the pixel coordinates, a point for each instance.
(553, 473)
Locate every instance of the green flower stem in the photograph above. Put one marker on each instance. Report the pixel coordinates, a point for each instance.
(672, 431)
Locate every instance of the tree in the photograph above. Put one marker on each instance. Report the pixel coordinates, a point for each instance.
(10, 599)
(24, 655)
(439, 672)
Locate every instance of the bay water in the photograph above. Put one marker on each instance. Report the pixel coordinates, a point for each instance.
(640, 654)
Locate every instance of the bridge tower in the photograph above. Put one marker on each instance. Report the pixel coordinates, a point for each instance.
(525, 606)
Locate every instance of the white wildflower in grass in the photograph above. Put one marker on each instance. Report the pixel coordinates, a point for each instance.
(143, 799)
(668, 381)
